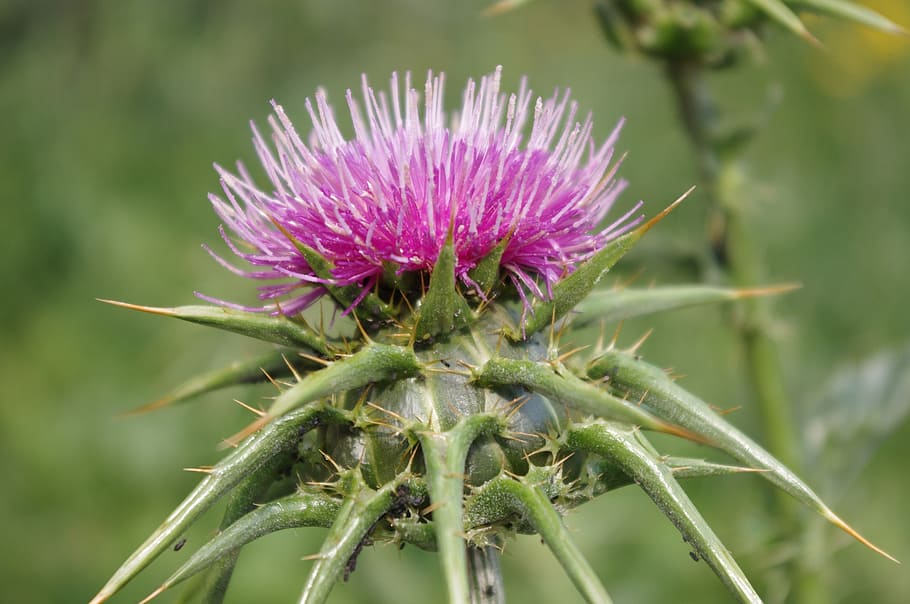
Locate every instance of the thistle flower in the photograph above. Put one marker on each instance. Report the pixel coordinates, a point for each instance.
(447, 421)
(384, 202)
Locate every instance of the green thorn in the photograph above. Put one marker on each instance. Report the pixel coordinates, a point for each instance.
(549, 525)
(274, 364)
(343, 295)
(486, 273)
(372, 363)
(278, 329)
(574, 288)
(503, 498)
(615, 305)
(301, 509)
(692, 467)
(242, 500)
(442, 308)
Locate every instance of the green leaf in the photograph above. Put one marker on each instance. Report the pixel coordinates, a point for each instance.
(853, 413)
(619, 444)
(621, 304)
(280, 436)
(632, 377)
(575, 287)
(779, 11)
(852, 12)
(278, 330)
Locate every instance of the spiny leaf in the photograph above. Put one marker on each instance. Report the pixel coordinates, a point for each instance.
(278, 330)
(621, 304)
(779, 11)
(372, 363)
(571, 391)
(853, 12)
(633, 377)
(442, 307)
(571, 290)
(281, 435)
(259, 369)
(293, 511)
(362, 508)
(242, 500)
(656, 479)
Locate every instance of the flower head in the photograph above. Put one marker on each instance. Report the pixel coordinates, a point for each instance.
(387, 199)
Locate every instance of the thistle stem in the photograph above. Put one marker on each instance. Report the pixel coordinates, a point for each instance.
(485, 575)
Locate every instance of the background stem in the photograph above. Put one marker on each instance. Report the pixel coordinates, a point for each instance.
(734, 255)
(734, 258)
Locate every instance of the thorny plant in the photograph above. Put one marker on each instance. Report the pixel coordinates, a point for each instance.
(456, 413)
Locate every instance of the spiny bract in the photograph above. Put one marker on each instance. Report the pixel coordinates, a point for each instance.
(449, 419)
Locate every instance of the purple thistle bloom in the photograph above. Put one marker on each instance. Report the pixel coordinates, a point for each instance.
(389, 196)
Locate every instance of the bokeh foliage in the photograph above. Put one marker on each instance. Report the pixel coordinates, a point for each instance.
(113, 112)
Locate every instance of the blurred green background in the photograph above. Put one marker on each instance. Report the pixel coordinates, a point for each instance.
(112, 113)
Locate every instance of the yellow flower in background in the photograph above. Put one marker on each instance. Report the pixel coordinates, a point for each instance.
(855, 56)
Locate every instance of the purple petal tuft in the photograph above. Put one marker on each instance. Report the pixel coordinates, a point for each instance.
(392, 193)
